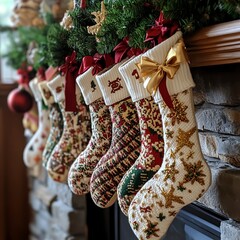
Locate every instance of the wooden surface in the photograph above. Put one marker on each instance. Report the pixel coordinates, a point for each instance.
(215, 45)
(13, 177)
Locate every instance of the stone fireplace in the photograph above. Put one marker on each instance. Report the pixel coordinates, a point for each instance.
(58, 214)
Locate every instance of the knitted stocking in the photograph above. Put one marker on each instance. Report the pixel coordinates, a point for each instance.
(82, 168)
(125, 145)
(75, 136)
(32, 154)
(151, 155)
(56, 122)
(184, 175)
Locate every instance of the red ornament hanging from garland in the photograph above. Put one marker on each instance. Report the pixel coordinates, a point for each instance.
(20, 100)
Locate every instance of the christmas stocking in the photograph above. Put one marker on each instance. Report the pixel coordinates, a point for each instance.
(75, 136)
(32, 154)
(56, 122)
(82, 168)
(125, 145)
(184, 175)
(151, 155)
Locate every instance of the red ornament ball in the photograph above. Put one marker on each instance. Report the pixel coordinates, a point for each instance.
(20, 100)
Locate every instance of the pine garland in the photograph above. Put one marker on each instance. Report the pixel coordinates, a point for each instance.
(57, 45)
(79, 39)
(125, 18)
(19, 43)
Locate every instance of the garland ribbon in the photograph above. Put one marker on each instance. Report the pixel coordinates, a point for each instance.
(123, 50)
(83, 4)
(69, 69)
(163, 29)
(154, 75)
(98, 62)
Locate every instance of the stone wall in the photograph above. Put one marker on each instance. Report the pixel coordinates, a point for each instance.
(56, 213)
(217, 100)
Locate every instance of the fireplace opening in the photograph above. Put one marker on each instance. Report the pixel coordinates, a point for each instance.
(193, 222)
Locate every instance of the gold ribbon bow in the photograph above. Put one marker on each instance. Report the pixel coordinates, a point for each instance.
(153, 73)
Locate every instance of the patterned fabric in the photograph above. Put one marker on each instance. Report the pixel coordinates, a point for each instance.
(82, 168)
(32, 154)
(183, 177)
(151, 155)
(123, 152)
(74, 139)
(56, 129)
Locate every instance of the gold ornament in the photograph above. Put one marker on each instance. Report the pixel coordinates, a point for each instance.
(153, 73)
(99, 19)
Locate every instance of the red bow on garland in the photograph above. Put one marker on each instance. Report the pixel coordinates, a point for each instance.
(162, 30)
(98, 62)
(123, 50)
(69, 69)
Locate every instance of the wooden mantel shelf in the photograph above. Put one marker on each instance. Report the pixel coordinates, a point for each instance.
(6, 88)
(215, 45)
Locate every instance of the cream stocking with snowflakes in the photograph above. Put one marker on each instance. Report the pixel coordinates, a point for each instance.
(75, 136)
(32, 154)
(184, 175)
(83, 167)
(151, 155)
(125, 142)
(56, 122)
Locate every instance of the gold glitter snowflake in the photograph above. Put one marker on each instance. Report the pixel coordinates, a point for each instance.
(172, 213)
(151, 230)
(194, 172)
(169, 133)
(183, 139)
(190, 155)
(178, 113)
(170, 171)
(170, 197)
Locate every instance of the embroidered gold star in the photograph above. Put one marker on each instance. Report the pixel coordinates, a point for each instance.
(178, 113)
(190, 155)
(172, 213)
(151, 230)
(160, 204)
(170, 171)
(183, 139)
(169, 133)
(170, 198)
(99, 19)
(194, 172)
